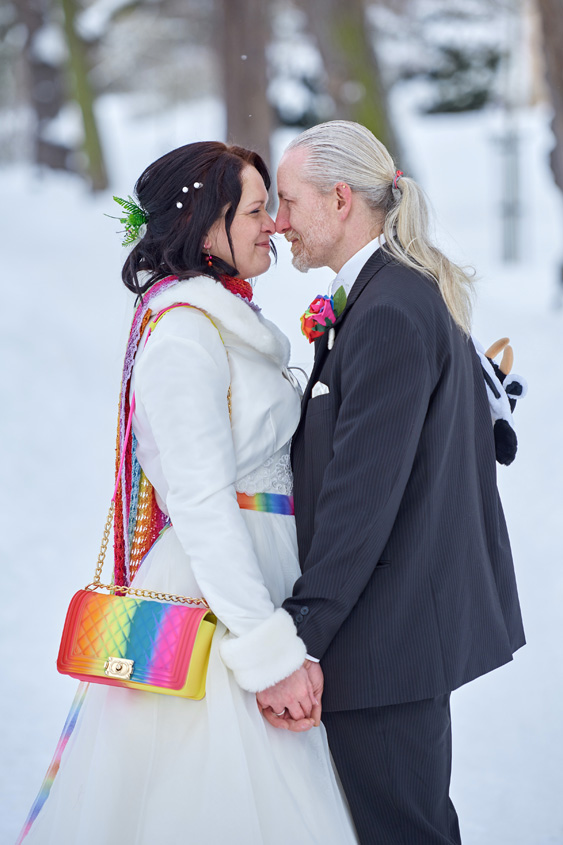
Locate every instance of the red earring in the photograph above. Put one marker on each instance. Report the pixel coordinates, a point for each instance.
(209, 260)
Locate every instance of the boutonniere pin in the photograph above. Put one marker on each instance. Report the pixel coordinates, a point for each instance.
(321, 314)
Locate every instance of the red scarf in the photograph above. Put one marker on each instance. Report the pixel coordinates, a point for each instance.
(239, 287)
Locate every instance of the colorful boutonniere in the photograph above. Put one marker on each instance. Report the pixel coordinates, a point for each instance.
(321, 314)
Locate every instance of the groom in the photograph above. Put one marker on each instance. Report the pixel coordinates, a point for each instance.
(407, 588)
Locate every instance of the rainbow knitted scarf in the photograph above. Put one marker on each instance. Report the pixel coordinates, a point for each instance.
(138, 519)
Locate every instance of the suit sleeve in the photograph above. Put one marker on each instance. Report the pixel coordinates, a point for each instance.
(385, 388)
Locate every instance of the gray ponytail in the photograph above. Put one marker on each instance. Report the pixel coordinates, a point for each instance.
(342, 151)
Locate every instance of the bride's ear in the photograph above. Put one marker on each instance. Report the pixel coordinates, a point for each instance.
(210, 238)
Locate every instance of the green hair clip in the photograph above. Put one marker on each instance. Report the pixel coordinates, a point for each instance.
(135, 222)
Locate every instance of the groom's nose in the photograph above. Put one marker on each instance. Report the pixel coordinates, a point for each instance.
(282, 220)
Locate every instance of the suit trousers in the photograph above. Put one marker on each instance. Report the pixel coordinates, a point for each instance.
(395, 765)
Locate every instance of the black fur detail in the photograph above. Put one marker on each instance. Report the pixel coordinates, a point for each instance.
(506, 442)
(514, 389)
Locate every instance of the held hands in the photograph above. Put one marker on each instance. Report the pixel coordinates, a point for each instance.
(295, 703)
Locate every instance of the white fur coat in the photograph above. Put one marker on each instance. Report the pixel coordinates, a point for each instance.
(194, 454)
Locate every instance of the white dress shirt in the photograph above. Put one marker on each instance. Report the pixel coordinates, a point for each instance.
(350, 271)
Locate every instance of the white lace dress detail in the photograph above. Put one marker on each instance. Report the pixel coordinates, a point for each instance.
(273, 476)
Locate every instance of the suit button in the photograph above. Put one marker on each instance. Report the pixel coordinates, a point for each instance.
(299, 618)
(304, 611)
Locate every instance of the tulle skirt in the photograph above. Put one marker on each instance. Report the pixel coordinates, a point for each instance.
(148, 769)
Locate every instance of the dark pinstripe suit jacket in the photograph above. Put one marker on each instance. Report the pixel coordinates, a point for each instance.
(408, 586)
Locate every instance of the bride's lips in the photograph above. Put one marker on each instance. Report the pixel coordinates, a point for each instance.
(265, 244)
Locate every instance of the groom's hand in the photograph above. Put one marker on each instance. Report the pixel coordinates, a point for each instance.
(289, 704)
(318, 682)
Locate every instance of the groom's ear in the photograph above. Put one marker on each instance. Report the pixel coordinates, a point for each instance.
(343, 199)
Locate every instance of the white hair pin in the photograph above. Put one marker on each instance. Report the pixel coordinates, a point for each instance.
(185, 190)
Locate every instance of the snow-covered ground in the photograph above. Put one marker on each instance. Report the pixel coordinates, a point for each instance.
(65, 321)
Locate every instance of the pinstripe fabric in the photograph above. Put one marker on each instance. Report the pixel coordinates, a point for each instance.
(394, 763)
(407, 577)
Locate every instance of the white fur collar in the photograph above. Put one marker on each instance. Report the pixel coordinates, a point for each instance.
(231, 312)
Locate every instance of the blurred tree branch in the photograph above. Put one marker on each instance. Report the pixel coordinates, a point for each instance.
(245, 33)
(44, 86)
(355, 82)
(84, 94)
(552, 24)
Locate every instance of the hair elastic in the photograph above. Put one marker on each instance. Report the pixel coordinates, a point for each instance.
(398, 175)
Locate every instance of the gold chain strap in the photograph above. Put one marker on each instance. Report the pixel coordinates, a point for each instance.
(133, 591)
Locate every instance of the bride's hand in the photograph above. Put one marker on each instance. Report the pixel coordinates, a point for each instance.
(291, 699)
(284, 720)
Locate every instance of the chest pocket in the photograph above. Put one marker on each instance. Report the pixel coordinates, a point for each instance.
(320, 404)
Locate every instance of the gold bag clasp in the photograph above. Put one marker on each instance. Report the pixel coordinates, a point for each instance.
(119, 667)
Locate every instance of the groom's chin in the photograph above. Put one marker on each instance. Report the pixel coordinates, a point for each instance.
(300, 264)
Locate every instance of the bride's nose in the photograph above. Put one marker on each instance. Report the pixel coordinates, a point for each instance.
(269, 226)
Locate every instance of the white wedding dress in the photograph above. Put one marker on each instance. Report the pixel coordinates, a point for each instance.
(149, 769)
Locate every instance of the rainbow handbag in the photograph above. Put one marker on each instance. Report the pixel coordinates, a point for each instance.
(134, 638)
(124, 640)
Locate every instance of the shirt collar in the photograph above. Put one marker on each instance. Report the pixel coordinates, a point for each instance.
(351, 270)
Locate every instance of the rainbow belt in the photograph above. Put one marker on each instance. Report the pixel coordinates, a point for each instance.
(267, 503)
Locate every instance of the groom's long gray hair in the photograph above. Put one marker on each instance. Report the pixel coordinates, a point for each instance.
(342, 151)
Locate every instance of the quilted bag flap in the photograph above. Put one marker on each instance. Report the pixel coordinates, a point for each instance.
(158, 637)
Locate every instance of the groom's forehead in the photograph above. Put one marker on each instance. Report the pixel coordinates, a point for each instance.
(291, 164)
(291, 183)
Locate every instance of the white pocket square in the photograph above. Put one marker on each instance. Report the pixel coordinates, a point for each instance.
(319, 389)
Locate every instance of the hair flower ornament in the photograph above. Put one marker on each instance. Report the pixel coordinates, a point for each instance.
(135, 221)
(321, 314)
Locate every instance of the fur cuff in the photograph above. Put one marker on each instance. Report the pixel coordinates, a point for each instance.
(266, 655)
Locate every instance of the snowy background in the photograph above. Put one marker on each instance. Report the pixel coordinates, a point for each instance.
(66, 317)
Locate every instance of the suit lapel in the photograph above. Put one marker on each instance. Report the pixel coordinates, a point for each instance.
(368, 271)
(372, 266)
(321, 348)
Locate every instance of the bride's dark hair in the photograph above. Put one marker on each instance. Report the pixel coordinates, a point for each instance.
(173, 242)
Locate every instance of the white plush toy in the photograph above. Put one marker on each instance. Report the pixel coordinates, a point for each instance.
(503, 391)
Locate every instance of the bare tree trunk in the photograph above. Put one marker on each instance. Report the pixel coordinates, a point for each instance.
(552, 23)
(85, 98)
(354, 77)
(45, 85)
(245, 29)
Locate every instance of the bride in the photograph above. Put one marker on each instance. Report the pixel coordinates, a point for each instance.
(215, 408)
